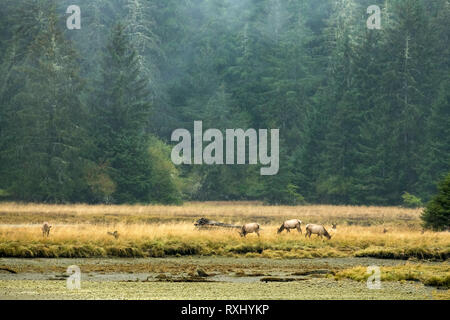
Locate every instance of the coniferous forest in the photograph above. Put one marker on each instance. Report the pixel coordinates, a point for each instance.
(86, 115)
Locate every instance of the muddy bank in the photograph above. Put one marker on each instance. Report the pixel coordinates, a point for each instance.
(308, 289)
(27, 269)
(201, 278)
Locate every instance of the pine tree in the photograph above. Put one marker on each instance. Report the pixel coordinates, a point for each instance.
(436, 215)
(343, 107)
(437, 148)
(97, 19)
(48, 117)
(7, 57)
(119, 116)
(435, 151)
(405, 96)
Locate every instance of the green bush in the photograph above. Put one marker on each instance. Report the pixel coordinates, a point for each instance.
(166, 184)
(436, 215)
(411, 201)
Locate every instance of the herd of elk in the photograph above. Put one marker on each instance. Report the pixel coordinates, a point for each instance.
(247, 228)
(254, 227)
(291, 224)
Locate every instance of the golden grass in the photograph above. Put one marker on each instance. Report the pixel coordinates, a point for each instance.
(344, 234)
(81, 230)
(433, 275)
(182, 238)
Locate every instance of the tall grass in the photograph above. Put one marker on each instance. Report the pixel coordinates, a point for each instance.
(166, 239)
(432, 275)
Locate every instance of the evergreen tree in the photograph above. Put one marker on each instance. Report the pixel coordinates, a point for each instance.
(336, 183)
(46, 159)
(436, 215)
(405, 97)
(435, 152)
(120, 113)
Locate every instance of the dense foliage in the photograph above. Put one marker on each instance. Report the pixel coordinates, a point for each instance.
(437, 213)
(86, 115)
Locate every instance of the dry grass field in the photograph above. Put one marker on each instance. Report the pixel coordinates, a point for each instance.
(158, 231)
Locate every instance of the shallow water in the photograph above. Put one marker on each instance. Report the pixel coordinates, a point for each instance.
(177, 278)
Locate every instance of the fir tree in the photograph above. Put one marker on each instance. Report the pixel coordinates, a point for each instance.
(120, 113)
(436, 216)
(48, 117)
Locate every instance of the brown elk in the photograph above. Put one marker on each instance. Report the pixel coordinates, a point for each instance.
(249, 228)
(291, 224)
(316, 229)
(46, 229)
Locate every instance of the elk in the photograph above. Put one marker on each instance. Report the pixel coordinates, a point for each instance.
(316, 229)
(249, 228)
(291, 224)
(46, 229)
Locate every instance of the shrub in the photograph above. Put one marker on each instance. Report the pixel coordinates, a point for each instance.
(4, 193)
(284, 195)
(436, 215)
(411, 201)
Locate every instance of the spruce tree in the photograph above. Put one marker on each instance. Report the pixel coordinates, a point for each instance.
(120, 112)
(436, 156)
(436, 215)
(48, 120)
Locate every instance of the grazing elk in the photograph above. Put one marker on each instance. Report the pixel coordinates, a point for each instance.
(249, 228)
(291, 224)
(316, 229)
(46, 229)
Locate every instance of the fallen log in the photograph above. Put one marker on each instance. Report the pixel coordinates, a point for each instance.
(204, 223)
(8, 269)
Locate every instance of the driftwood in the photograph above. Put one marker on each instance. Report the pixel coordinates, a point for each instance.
(8, 269)
(204, 223)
